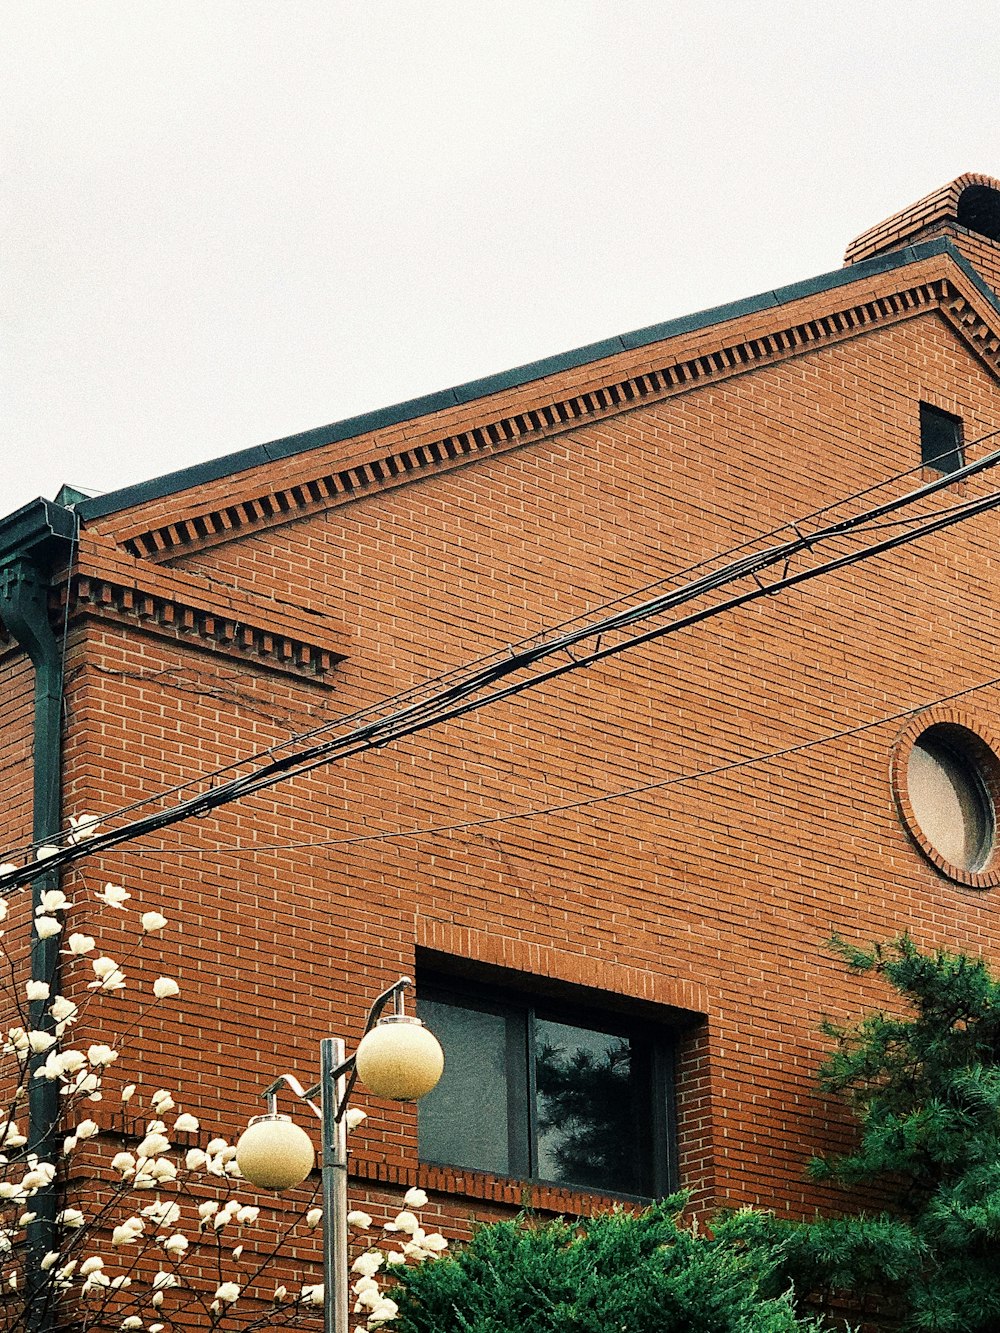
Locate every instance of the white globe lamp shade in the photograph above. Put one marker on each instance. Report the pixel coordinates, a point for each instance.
(399, 1059)
(274, 1153)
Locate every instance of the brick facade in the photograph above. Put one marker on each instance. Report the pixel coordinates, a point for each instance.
(757, 754)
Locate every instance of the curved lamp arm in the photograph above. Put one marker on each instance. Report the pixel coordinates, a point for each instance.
(394, 993)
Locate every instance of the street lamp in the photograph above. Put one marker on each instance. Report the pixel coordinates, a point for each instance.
(396, 1058)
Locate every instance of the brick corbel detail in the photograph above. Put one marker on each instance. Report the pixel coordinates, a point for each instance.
(686, 362)
(110, 585)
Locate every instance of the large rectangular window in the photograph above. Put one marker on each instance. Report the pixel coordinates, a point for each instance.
(545, 1092)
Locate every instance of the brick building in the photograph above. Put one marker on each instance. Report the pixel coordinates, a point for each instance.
(614, 888)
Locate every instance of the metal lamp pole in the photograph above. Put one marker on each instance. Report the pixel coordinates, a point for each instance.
(338, 1074)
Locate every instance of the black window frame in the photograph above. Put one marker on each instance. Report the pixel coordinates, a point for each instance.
(942, 444)
(655, 1044)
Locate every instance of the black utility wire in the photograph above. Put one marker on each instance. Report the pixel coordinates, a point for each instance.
(427, 686)
(475, 689)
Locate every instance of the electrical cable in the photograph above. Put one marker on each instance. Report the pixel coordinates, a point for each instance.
(460, 698)
(415, 691)
(536, 812)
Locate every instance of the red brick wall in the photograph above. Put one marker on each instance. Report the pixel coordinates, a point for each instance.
(715, 895)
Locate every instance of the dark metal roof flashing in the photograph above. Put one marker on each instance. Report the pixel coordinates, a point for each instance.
(291, 445)
(39, 530)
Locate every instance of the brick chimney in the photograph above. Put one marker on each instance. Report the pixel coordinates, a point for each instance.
(967, 211)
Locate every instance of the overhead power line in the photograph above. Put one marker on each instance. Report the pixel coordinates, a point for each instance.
(428, 685)
(551, 656)
(534, 663)
(585, 802)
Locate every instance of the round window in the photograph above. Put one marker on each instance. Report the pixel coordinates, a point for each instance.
(950, 779)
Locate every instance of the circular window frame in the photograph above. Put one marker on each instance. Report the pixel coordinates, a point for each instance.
(980, 746)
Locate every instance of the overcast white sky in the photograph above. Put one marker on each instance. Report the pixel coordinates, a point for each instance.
(226, 222)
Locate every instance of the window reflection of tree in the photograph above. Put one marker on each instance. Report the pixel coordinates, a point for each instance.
(585, 1112)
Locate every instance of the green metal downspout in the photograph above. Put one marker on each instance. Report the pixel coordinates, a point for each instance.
(30, 541)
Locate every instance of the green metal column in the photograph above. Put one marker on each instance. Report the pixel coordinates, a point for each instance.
(24, 611)
(31, 541)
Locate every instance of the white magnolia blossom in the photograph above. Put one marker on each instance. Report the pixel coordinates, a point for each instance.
(3, 901)
(354, 1117)
(83, 827)
(84, 1083)
(163, 1212)
(63, 1010)
(17, 1042)
(43, 853)
(60, 1063)
(113, 895)
(80, 944)
(109, 975)
(101, 1055)
(149, 1167)
(385, 1310)
(369, 1263)
(53, 900)
(10, 1135)
(41, 1173)
(128, 1232)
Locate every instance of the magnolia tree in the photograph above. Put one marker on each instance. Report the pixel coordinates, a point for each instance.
(124, 1211)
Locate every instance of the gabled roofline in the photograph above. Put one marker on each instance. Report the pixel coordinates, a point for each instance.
(292, 445)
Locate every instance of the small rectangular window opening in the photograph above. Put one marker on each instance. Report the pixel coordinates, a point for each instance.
(940, 439)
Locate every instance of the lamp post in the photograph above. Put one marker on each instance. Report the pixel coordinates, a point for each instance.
(397, 1058)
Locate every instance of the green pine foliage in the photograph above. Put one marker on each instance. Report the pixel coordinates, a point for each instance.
(925, 1088)
(635, 1272)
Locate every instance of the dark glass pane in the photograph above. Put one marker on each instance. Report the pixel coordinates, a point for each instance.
(588, 1098)
(464, 1120)
(940, 439)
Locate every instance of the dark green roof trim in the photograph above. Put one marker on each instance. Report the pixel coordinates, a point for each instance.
(41, 530)
(291, 445)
